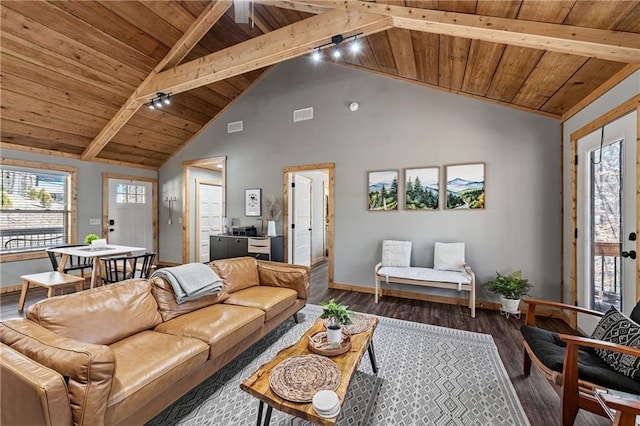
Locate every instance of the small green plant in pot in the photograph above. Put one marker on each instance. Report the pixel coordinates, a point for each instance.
(90, 237)
(338, 315)
(511, 288)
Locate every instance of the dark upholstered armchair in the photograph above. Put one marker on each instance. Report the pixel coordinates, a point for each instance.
(571, 362)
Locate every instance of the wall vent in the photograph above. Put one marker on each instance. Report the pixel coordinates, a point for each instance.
(303, 114)
(234, 127)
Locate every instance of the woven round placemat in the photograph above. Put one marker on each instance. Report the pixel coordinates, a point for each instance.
(298, 378)
(359, 324)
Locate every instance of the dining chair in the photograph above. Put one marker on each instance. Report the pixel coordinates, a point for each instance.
(75, 263)
(122, 268)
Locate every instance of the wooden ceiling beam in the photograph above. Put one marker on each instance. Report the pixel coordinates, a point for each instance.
(604, 44)
(212, 13)
(268, 49)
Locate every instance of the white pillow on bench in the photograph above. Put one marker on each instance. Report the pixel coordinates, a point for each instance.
(448, 257)
(396, 253)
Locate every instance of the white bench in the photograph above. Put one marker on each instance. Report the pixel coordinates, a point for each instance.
(449, 272)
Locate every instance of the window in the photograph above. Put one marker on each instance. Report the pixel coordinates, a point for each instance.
(37, 209)
(130, 194)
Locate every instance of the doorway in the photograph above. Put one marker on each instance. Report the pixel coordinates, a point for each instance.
(212, 171)
(321, 219)
(130, 210)
(606, 218)
(208, 216)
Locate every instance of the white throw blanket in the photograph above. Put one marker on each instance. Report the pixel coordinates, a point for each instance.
(191, 281)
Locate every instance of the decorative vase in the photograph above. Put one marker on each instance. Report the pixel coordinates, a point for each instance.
(511, 306)
(334, 335)
(271, 228)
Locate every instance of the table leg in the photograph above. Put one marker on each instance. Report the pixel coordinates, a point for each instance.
(63, 262)
(260, 407)
(372, 357)
(23, 294)
(96, 272)
(267, 418)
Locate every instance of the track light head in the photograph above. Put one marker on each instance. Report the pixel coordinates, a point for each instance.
(336, 52)
(355, 45)
(150, 105)
(167, 100)
(316, 55)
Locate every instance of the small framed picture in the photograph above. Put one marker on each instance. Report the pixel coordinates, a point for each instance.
(422, 188)
(465, 186)
(253, 202)
(383, 190)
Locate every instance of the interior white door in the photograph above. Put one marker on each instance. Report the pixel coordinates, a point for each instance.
(301, 220)
(209, 217)
(607, 219)
(130, 213)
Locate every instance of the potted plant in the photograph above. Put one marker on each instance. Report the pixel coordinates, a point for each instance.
(90, 237)
(511, 288)
(338, 315)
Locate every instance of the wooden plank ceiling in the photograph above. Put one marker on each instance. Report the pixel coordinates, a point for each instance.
(68, 67)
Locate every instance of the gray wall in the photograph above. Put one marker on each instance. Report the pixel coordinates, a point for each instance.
(623, 91)
(398, 125)
(89, 205)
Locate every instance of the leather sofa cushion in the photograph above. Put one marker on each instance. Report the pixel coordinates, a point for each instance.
(275, 274)
(221, 326)
(146, 364)
(166, 299)
(272, 300)
(27, 386)
(550, 349)
(237, 273)
(102, 315)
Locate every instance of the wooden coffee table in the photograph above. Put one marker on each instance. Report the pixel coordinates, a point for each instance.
(257, 384)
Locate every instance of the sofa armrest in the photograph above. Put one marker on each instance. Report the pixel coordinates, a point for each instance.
(88, 367)
(276, 274)
(31, 392)
(532, 303)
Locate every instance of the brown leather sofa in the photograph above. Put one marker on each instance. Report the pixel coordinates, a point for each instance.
(120, 354)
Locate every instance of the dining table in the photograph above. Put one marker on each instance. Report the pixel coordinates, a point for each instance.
(96, 253)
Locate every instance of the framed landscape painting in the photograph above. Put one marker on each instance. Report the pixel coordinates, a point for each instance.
(465, 186)
(422, 188)
(383, 190)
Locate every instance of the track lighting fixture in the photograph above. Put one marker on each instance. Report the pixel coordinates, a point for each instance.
(157, 101)
(336, 40)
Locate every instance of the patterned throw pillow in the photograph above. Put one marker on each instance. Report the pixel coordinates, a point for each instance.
(614, 327)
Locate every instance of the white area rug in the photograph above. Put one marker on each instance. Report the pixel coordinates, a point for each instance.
(427, 375)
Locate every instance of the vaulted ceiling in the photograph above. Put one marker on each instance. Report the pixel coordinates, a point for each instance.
(77, 75)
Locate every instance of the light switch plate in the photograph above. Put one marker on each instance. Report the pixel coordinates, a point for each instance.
(94, 221)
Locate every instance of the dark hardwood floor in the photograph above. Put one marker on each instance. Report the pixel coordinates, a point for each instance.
(537, 395)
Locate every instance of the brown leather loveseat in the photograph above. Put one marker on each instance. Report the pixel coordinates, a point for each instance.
(120, 354)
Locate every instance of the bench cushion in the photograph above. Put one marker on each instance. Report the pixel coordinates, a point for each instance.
(425, 274)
